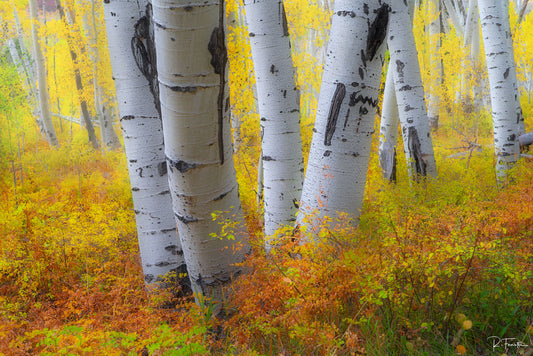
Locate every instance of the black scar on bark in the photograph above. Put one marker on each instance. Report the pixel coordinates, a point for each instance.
(377, 31)
(162, 168)
(506, 74)
(180, 165)
(413, 143)
(219, 58)
(186, 219)
(336, 101)
(143, 49)
(399, 67)
(355, 98)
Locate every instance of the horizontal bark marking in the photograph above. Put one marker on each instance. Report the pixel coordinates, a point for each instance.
(268, 158)
(163, 264)
(186, 219)
(221, 196)
(355, 98)
(346, 13)
(377, 31)
(185, 89)
(327, 153)
(336, 101)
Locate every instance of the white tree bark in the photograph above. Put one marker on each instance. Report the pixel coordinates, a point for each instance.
(192, 72)
(107, 133)
(279, 109)
(338, 160)
(388, 135)
(418, 146)
(159, 244)
(44, 97)
(454, 17)
(497, 41)
(507, 25)
(435, 65)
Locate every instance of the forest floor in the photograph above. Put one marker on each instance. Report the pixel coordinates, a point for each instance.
(441, 267)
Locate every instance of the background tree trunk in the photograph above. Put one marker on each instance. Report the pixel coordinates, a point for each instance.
(77, 75)
(44, 97)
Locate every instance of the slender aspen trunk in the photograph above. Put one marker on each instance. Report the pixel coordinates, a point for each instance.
(159, 244)
(44, 97)
(388, 135)
(108, 135)
(279, 109)
(339, 155)
(192, 71)
(418, 146)
(79, 84)
(497, 41)
(435, 66)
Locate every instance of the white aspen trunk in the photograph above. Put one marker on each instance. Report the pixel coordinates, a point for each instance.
(435, 66)
(15, 58)
(159, 244)
(44, 97)
(108, 135)
(507, 26)
(279, 108)
(457, 23)
(497, 41)
(418, 146)
(192, 71)
(388, 135)
(339, 155)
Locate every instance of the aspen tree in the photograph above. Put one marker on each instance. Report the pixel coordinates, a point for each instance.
(159, 245)
(409, 90)
(279, 108)
(499, 56)
(192, 70)
(44, 97)
(339, 155)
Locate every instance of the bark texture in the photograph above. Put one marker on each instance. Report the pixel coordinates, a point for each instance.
(192, 71)
(388, 135)
(506, 113)
(279, 109)
(338, 160)
(418, 146)
(159, 244)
